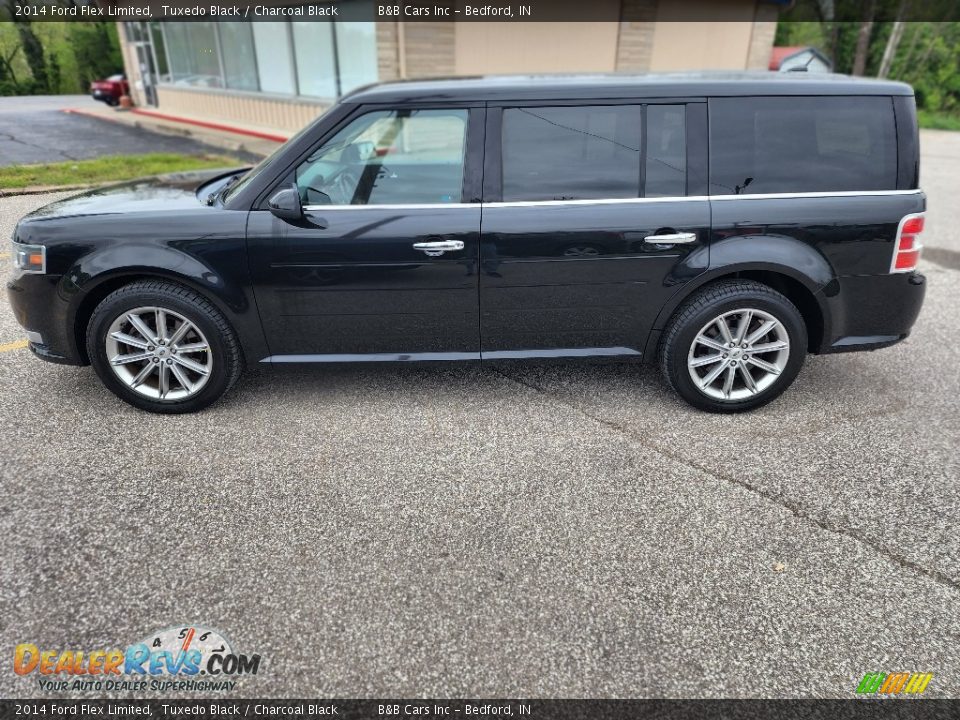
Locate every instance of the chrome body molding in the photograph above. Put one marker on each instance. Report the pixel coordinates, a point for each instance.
(618, 201)
(453, 356)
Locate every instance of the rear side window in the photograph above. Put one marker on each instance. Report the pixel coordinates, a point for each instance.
(802, 144)
(594, 152)
(571, 153)
(666, 161)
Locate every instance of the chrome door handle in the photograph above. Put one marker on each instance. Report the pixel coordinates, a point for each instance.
(672, 238)
(438, 248)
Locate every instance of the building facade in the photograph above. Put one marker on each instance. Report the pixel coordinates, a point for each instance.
(282, 74)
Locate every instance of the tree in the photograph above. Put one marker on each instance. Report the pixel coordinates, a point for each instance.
(97, 50)
(863, 38)
(53, 75)
(925, 54)
(8, 78)
(33, 51)
(893, 42)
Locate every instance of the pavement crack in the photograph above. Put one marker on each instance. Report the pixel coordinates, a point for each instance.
(793, 508)
(12, 138)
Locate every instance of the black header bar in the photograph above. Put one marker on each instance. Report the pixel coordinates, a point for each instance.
(872, 709)
(450, 10)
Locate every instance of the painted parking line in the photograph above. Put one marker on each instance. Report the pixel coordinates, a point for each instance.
(15, 345)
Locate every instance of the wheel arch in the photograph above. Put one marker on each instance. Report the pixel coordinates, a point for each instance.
(95, 290)
(804, 291)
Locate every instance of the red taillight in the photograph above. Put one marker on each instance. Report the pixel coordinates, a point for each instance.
(912, 225)
(906, 254)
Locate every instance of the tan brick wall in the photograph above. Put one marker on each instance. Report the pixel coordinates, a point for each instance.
(388, 60)
(535, 47)
(761, 41)
(239, 109)
(635, 42)
(430, 49)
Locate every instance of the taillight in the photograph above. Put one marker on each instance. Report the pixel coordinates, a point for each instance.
(906, 253)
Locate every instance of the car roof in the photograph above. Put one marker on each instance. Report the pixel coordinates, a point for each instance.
(584, 86)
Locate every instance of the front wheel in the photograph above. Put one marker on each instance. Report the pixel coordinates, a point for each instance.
(734, 346)
(162, 347)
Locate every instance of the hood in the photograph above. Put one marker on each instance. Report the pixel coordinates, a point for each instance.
(167, 193)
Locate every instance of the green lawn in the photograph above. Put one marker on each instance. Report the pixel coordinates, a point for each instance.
(107, 169)
(937, 120)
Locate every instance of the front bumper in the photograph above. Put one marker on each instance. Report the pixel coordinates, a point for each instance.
(874, 311)
(38, 307)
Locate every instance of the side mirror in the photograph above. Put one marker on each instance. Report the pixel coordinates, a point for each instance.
(285, 203)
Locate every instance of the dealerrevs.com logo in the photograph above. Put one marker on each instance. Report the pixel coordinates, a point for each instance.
(187, 657)
(894, 683)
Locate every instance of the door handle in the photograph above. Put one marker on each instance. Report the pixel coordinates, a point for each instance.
(672, 238)
(438, 248)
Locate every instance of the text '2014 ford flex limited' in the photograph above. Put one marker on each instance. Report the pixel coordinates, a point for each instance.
(721, 226)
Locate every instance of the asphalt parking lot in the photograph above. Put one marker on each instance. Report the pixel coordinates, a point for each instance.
(545, 531)
(36, 130)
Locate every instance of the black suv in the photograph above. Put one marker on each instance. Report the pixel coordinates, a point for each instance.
(722, 226)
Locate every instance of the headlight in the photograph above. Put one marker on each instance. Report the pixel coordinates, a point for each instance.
(29, 258)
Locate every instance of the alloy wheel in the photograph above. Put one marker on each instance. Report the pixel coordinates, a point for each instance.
(738, 354)
(159, 353)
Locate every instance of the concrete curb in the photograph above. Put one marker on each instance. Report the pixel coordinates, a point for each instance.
(220, 127)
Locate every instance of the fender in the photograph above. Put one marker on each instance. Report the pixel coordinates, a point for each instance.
(231, 295)
(779, 254)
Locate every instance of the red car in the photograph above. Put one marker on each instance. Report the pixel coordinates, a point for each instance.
(110, 90)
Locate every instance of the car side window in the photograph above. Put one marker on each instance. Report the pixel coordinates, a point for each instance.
(594, 152)
(666, 152)
(803, 144)
(389, 157)
(571, 153)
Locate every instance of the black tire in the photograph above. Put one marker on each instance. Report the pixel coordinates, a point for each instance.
(711, 302)
(225, 353)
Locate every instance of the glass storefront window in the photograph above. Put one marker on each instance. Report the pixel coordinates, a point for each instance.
(356, 54)
(325, 60)
(316, 69)
(274, 57)
(192, 54)
(239, 60)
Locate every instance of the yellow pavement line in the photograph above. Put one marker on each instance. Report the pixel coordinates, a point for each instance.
(16, 345)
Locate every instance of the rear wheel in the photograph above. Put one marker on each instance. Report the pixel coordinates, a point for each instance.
(162, 347)
(733, 346)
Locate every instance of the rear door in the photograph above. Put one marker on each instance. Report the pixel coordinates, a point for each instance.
(594, 214)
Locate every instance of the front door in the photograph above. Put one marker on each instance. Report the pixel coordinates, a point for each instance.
(384, 264)
(593, 216)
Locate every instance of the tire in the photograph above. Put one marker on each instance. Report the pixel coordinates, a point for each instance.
(194, 377)
(694, 336)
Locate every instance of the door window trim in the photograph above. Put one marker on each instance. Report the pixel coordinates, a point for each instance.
(625, 201)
